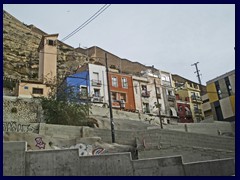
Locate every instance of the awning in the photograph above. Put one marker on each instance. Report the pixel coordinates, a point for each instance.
(187, 109)
(174, 112)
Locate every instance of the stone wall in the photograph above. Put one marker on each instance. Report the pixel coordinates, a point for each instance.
(68, 163)
(21, 110)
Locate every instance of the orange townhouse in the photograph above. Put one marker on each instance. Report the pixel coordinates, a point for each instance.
(121, 87)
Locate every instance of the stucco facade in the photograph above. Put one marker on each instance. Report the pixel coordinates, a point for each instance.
(121, 87)
(190, 92)
(47, 70)
(90, 82)
(221, 93)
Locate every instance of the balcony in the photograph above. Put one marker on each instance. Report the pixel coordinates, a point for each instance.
(196, 99)
(146, 110)
(166, 83)
(97, 99)
(197, 111)
(171, 98)
(83, 96)
(96, 82)
(188, 114)
(146, 94)
(115, 104)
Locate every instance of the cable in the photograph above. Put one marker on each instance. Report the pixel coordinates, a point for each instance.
(94, 16)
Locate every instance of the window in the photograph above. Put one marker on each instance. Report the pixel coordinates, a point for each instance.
(195, 107)
(51, 42)
(193, 94)
(96, 92)
(180, 108)
(136, 88)
(229, 87)
(144, 88)
(206, 100)
(37, 91)
(169, 92)
(123, 97)
(25, 87)
(219, 92)
(114, 96)
(95, 76)
(114, 82)
(83, 91)
(165, 78)
(124, 83)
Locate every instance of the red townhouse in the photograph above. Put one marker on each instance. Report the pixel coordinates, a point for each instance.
(121, 87)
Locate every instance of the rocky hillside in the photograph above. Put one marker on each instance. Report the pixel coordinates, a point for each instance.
(20, 56)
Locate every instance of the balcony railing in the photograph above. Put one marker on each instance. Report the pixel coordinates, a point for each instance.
(171, 98)
(188, 114)
(166, 83)
(196, 98)
(96, 82)
(197, 111)
(145, 93)
(97, 99)
(146, 110)
(116, 104)
(83, 96)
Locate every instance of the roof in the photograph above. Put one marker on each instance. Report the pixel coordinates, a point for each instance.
(221, 76)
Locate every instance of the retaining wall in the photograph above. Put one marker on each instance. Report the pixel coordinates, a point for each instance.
(212, 128)
(154, 138)
(68, 163)
(21, 110)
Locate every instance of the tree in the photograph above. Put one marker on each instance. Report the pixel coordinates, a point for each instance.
(63, 106)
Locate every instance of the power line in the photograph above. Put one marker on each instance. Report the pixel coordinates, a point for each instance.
(94, 16)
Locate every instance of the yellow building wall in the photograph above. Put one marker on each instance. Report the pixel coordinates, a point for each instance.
(232, 101)
(212, 92)
(22, 92)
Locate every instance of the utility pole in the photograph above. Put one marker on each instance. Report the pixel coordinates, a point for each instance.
(200, 83)
(158, 105)
(198, 76)
(87, 77)
(110, 102)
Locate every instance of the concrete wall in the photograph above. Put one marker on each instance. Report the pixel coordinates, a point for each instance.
(14, 158)
(152, 137)
(212, 128)
(167, 166)
(60, 131)
(68, 163)
(188, 153)
(221, 167)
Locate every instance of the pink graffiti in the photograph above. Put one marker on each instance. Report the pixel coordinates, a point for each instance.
(98, 151)
(40, 144)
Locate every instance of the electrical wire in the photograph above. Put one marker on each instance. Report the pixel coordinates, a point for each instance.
(94, 16)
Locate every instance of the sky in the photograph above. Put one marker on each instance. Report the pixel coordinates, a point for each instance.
(171, 37)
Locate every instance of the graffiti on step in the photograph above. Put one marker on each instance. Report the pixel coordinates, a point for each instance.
(98, 151)
(83, 150)
(39, 143)
(13, 126)
(87, 150)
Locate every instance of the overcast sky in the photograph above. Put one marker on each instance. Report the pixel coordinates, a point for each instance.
(170, 37)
